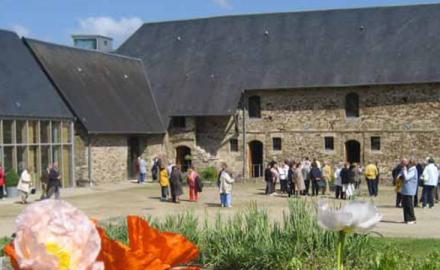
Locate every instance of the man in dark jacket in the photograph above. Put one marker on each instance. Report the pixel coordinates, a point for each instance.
(345, 174)
(54, 184)
(315, 176)
(268, 177)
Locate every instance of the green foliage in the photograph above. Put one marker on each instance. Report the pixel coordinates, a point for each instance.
(209, 174)
(250, 240)
(3, 242)
(12, 178)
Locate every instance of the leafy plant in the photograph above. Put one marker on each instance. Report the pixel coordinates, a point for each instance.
(209, 174)
(12, 178)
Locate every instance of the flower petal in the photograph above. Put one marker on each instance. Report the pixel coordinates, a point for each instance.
(117, 256)
(172, 248)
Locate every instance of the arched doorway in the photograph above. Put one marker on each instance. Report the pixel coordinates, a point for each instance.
(353, 151)
(255, 159)
(183, 158)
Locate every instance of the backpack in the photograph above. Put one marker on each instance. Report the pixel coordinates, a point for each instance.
(199, 184)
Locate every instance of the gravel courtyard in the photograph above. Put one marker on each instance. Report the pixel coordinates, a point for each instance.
(112, 201)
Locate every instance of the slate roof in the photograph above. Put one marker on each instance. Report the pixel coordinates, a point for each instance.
(25, 91)
(109, 94)
(201, 66)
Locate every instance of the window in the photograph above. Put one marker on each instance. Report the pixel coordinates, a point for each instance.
(375, 143)
(89, 44)
(254, 107)
(233, 145)
(329, 143)
(352, 105)
(276, 142)
(178, 122)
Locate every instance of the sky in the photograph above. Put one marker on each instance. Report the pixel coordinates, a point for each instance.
(56, 20)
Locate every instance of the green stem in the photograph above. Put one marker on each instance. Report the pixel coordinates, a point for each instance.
(341, 250)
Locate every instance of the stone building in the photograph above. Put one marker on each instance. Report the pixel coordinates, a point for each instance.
(116, 114)
(353, 85)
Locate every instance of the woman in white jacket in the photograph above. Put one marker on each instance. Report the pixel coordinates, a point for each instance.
(24, 185)
(225, 186)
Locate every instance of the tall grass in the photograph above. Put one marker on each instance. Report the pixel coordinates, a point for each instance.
(250, 240)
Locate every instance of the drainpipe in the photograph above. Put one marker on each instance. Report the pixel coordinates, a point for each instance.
(89, 158)
(244, 138)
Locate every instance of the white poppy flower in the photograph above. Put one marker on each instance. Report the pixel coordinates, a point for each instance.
(356, 216)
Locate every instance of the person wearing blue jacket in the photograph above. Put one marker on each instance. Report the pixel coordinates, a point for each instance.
(408, 191)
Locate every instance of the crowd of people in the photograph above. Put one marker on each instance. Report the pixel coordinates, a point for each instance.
(170, 178)
(408, 177)
(310, 177)
(50, 182)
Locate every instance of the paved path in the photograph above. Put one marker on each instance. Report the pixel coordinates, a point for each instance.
(111, 201)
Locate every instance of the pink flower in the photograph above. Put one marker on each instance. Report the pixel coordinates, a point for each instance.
(52, 234)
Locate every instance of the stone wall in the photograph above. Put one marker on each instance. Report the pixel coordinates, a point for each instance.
(406, 118)
(109, 158)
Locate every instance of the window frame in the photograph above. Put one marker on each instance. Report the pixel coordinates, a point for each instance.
(375, 141)
(254, 107)
(233, 145)
(351, 105)
(332, 138)
(178, 122)
(277, 144)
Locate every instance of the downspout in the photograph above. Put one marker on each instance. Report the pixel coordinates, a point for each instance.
(244, 138)
(89, 159)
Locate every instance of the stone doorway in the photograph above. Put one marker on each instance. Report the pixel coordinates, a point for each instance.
(353, 151)
(183, 158)
(255, 159)
(134, 151)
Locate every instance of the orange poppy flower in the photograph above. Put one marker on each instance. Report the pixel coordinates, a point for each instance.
(149, 249)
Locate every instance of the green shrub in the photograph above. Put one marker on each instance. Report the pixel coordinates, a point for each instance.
(3, 242)
(209, 174)
(12, 178)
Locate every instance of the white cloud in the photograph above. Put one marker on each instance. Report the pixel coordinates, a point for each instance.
(119, 30)
(223, 3)
(20, 30)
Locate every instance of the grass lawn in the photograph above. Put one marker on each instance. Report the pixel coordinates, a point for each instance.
(414, 246)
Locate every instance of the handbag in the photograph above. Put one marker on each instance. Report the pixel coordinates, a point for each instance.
(33, 190)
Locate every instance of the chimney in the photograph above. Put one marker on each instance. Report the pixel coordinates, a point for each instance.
(93, 42)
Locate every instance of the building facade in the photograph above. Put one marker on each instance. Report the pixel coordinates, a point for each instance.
(338, 85)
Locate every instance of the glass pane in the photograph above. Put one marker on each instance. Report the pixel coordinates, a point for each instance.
(66, 132)
(45, 131)
(21, 131)
(33, 166)
(45, 156)
(7, 131)
(8, 158)
(56, 157)
(21, 158)
(56, 132)
(33, 132)
(67, 178)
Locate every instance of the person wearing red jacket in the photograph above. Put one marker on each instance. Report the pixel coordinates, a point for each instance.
(2, 181)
